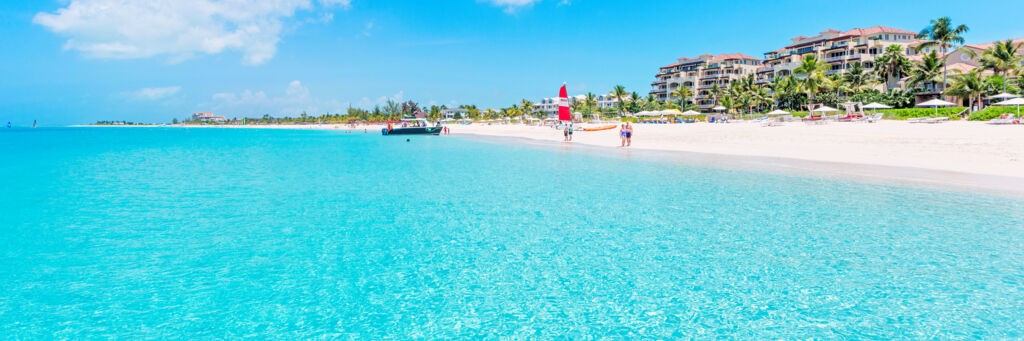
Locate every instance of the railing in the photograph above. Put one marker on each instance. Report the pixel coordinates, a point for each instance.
(764, 70)
(710, 76)
(835, 59)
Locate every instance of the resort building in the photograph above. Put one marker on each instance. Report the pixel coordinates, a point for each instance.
(208, 117)
(959, 61)
(838, 49)
(701, 74)
(549, 106)
(454, 113)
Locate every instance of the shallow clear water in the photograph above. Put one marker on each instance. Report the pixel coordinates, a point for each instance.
(224, 233)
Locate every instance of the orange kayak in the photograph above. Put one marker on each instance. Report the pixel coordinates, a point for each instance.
(600, 128)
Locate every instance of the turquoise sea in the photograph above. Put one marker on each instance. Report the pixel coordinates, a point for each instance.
(173, 233)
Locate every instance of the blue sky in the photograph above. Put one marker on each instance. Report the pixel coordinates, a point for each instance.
(78, 61)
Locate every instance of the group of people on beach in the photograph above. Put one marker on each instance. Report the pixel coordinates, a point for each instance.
(626, 134)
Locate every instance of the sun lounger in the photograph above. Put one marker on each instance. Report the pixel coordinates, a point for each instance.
(917, 119)
(1003, 119)
(937, 119)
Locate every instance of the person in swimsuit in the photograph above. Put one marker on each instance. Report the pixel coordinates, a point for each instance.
(622, 135)
(629, 134)
(570, 132)
(565, 134)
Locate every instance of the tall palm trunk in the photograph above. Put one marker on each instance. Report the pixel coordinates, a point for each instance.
(945, 53)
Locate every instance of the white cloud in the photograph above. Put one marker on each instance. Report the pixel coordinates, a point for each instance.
(367, 29)
(177, 29)
(295, 100)
(511, 5)
(153, 94)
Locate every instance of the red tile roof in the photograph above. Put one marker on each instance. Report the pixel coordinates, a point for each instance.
(986, 46)
(732, 56)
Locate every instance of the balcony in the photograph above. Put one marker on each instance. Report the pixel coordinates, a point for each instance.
(657, 82)
(766, 69)
(658, 91)
(835, 59)
(711, 76)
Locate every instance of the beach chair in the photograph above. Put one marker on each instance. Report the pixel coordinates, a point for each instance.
(937, 119)
(873, 118)
(1003, 119)
(916, 119)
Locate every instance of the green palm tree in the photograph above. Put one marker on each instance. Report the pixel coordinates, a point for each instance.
(590, 100)
(682, 94)
(970, 85)
(716, 93)
(892, 65)
(1002, 59)
(813, 71)
(620, 94)
(928, 71)
(527, 107)
(857, 78)
(762, 97)
(941, 33)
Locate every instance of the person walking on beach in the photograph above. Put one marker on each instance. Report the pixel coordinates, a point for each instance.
(570, 132)
(629, 134)
(565, 133)
(622, 135)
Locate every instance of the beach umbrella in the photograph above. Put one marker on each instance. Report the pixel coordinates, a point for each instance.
(691, 113)
(718, 108)
(935, 103)
(1003, 96)
(876, 105)
(1016, 101)
(777, 112)
(824, 109)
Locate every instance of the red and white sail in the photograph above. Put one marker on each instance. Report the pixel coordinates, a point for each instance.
(563, 105)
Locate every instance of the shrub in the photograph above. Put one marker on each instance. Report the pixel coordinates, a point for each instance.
(992, 112)
(902, 114)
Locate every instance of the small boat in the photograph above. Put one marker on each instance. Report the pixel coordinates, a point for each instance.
(420, 127)
(600, 128)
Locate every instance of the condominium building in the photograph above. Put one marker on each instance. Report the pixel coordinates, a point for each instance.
(838, 49)
(454, 113)
(208, 117)
(701, 74)
(958, 61)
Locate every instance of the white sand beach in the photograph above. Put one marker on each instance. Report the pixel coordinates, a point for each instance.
(964, 147)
